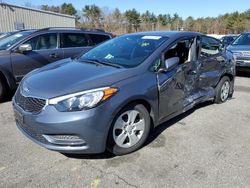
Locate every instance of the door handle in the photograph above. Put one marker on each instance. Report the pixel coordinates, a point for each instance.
(54, 55)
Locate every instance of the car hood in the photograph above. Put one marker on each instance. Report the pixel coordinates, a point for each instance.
(4, 52)
(238, 48)
(71, 76)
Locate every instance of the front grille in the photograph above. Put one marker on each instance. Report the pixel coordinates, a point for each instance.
(33, 133)
(29, 104)
(243, 58)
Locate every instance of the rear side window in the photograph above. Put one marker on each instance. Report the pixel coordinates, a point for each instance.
(70, 40)
(209, 46)
(43, 42)
(97, 39)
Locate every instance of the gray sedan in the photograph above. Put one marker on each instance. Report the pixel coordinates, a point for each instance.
(115, 94)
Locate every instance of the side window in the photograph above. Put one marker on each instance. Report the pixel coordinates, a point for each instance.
(70, 40)
(182, 50)
(97, 39)
(209, 46)
(42, 42)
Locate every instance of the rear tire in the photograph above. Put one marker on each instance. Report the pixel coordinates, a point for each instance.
(2, 89)
(222, 90)
(129, 130)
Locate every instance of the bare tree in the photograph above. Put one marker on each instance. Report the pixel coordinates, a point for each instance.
(93, 15)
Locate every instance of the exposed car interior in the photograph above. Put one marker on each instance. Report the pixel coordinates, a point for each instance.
(182, 50)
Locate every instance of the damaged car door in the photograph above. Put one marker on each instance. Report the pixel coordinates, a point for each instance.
(211, 62)
(177, 84)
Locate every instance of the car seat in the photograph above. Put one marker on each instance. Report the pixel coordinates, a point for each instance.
(182, 52)
(52, 42)
(42, 43)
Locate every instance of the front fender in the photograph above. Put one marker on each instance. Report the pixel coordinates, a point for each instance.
(142, 88)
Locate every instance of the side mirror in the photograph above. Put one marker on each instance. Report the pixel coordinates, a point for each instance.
(25, 48)
(171, 62)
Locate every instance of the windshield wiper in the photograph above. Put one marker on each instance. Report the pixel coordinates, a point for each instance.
(102, 63)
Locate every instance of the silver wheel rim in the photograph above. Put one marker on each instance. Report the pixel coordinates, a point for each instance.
(128, 129)
(225, 91)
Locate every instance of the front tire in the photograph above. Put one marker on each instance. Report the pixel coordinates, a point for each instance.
(129, 130)
(2, 89)
(222, 90)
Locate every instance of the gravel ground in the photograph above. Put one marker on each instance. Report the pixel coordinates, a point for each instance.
(208, 146)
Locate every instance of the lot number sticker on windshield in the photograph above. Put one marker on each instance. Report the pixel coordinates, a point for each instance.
(18, 35)
(151, 37)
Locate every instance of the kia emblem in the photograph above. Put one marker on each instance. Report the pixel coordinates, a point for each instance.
(26, 89)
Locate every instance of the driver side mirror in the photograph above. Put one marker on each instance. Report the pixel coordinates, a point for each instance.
(25, 48)
(170, 63)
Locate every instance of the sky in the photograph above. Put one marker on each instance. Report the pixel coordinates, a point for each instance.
(185, 8)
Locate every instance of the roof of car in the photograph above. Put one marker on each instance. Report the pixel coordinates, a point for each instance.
(168, 33)
(72, 29)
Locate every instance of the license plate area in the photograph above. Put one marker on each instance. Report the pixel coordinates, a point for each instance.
(18, 117)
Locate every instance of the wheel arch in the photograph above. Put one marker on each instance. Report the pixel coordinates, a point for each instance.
(134, 101)
(231, 77)
(147, 105)
(140, 100)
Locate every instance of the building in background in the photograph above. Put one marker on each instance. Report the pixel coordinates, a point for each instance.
(14, 17)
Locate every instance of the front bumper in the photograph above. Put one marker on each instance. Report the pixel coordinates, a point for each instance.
(243, 62)
(243, 65)
(90, 126)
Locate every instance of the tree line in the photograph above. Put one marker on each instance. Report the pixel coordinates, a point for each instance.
(115, 21)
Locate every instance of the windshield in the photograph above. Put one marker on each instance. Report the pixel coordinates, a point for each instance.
(12, 39)
(127, 51)
(243, 39)
(2, 35)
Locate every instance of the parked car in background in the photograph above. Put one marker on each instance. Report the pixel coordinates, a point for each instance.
(27, 50)
(113, 95)
(227, 40)
(10, 40)
(241, 51)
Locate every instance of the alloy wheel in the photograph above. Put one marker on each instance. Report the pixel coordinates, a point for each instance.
(225, 91)
(128, 129)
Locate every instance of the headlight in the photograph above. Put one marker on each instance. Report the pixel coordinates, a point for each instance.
(82, 100)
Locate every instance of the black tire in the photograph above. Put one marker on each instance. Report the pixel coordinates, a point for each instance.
(218, 97)
(111, 144)
(2, 89)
